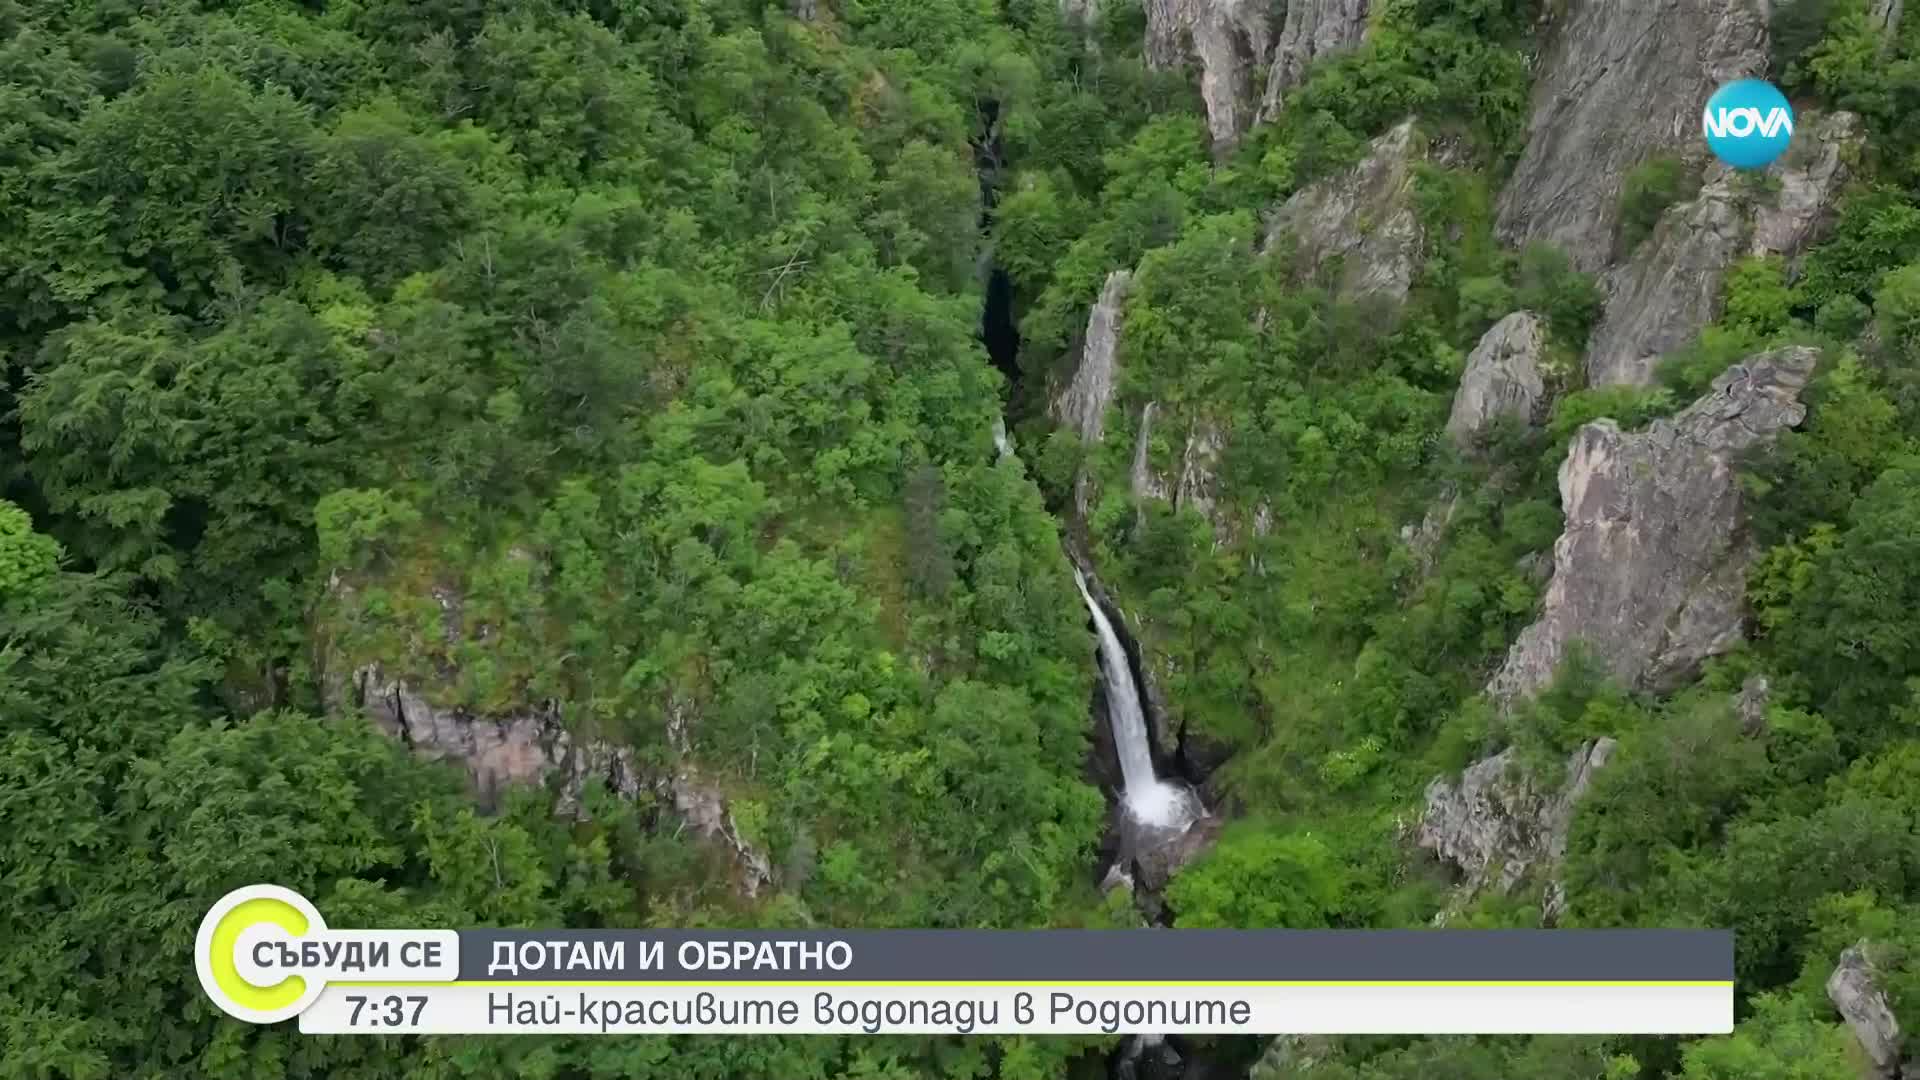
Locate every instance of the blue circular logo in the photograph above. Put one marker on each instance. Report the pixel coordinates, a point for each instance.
(1748, 123)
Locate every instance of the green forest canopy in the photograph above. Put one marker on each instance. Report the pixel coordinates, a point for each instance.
(648, 328)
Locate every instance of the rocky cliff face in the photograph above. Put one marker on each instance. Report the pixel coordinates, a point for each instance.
(1503, 379)
(530, 747)
(1193, 483)
(522, 747)
(1228, 40)
(1659, 300)
(1501, 827)
(1311, 30)
(1363, 218)
(1617, 84)
(1855, 990)
(1670, 288)
(1231, 42)
(1083, 405)
(1650, 572)
(526, 746)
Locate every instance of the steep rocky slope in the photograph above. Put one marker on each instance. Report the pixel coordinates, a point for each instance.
(1619, 83)
(1661, 297)
(1649, 576)
(1500, 825)
(1312, 30)
(1362, 221)
(1650, 572)
(1233, 44)
(1228, 41)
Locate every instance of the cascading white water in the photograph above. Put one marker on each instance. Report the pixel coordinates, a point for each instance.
(1150, 800)
(1001, 440)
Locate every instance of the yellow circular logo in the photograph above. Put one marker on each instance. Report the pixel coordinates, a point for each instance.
(241, 919)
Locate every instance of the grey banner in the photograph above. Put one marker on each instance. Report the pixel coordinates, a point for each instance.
(1142, 955)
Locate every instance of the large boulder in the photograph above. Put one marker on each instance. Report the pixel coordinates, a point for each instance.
(1671, 285)
(1229, 40)
(1311, 30)
(1363, 219)
(1855, 990)
(1500, 826)
(1650, 571)
(1503, 379)
(1619, 83)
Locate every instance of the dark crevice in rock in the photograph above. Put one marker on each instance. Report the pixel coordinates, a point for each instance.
(999, 318)
(999, 330)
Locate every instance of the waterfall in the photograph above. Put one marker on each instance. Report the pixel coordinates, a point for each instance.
(1001, 440)
(1151, 800)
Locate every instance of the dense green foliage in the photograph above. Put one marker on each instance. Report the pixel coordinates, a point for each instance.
(624, 356)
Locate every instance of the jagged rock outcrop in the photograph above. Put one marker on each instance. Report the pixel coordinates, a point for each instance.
(804, 10)
(1650, 571)
(1503, 378)
(1082, 406)
(1193, 482)
(521, 747)
(1158, 854)
(1670, 288)
(1228, 40)
(1501, 826)
(1311, 30)
(1801, 210)
(1619, 83)
(529, 745)
(1363, 217)
(1659, 300)
(1423, 540)
(1855, 990)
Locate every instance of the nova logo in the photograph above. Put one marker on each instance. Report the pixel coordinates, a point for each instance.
(1748, 123)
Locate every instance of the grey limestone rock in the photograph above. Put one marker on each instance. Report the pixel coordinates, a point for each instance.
(1650, 570)
(530, 747)
(521, 747)
(1503, 378)
(1311, 30)
(1363, 217)
(1886, 15)
(1619, 81)
(1082, 406)
(1854, 988)
(1499, 825)
(1799, 212)
(1670, 287)
(1661, 297)
(1229, 40)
